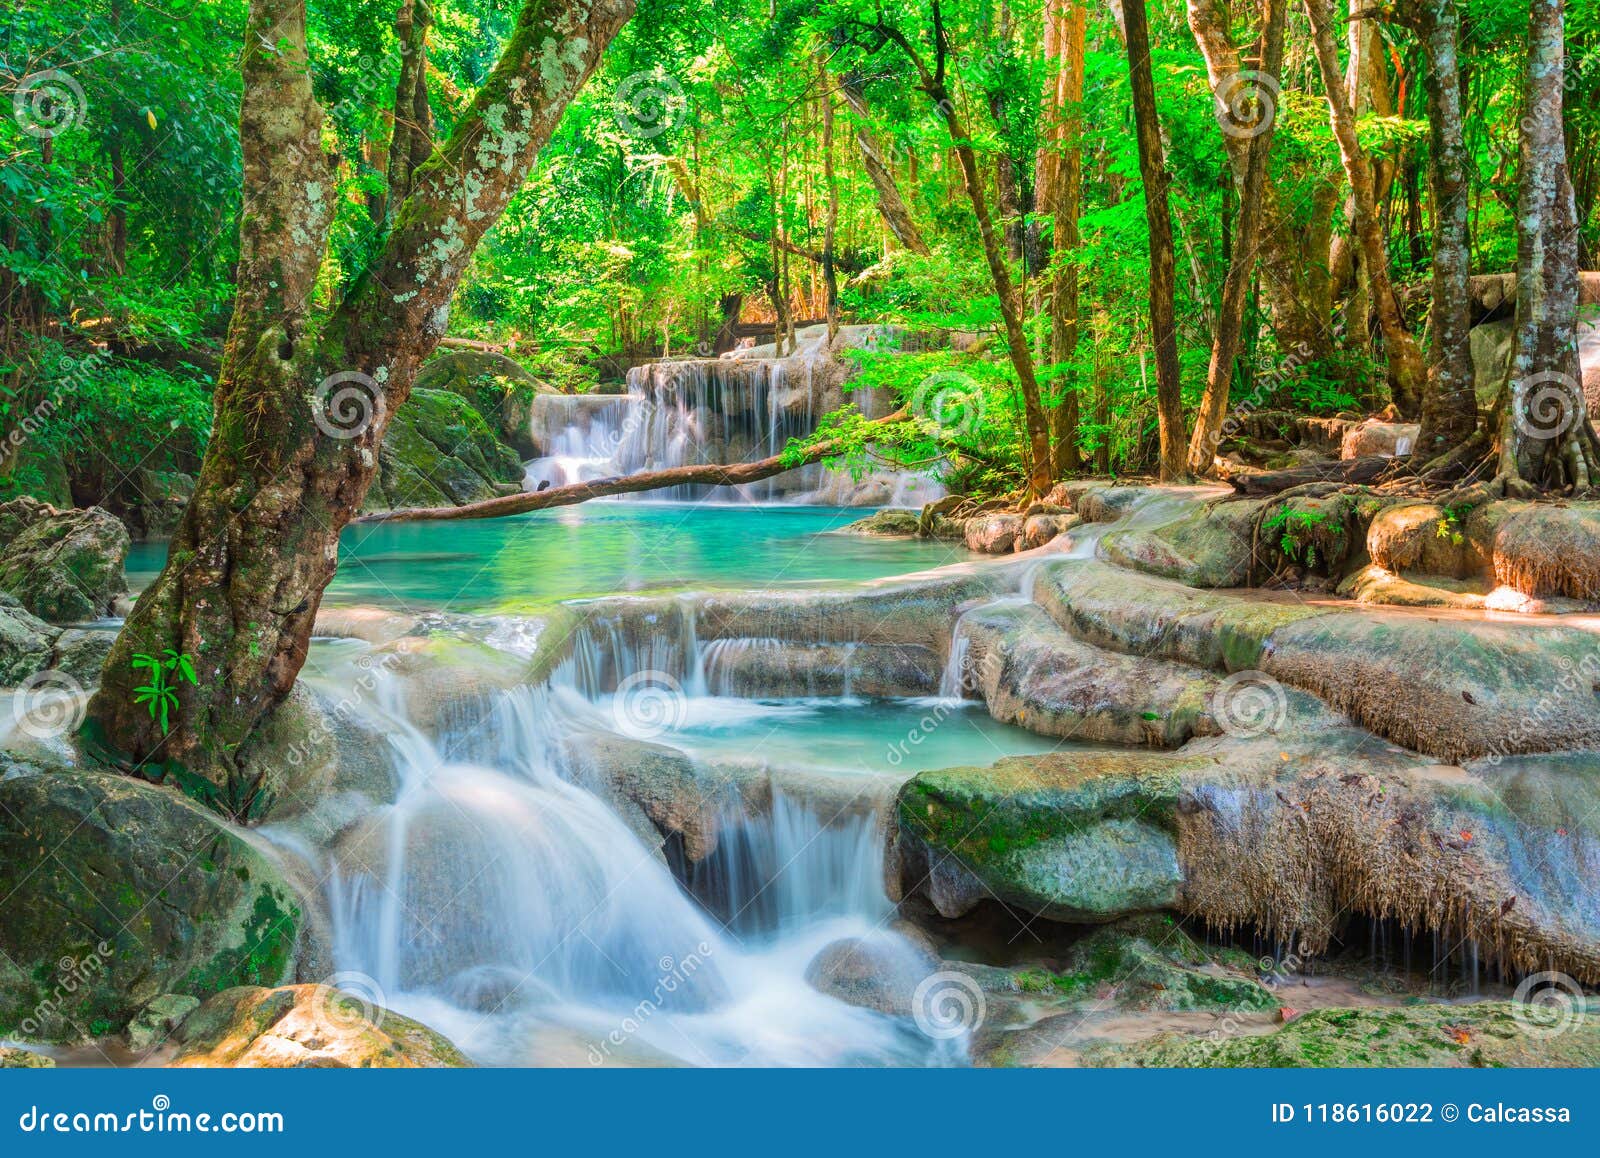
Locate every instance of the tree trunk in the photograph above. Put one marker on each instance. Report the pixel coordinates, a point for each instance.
(891, 206)
(1241, 268)
(1407, 371)
(1450, 404)
(1545, 436)
(412, 140)
(1058, 192)
(301, 409)
(830, 222)
(1158, 216)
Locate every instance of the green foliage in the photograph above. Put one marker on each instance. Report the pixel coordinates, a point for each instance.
(1296, 527)
(165, 675)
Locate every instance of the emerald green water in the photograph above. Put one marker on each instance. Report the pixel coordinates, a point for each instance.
(600, 548)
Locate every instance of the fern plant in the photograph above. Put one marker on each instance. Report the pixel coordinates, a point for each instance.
(166, 674)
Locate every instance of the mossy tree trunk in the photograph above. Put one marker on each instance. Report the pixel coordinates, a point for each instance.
(302, 403)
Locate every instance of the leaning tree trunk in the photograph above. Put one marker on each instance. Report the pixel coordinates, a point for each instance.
(1058, 192)
(1158, 216)
(301, 409)
(412, 141)
(1407, 372)
(1258, 125)
(1450, 402)
(1545, 436)
(891, 206)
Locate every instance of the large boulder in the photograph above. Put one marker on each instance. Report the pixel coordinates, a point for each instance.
(64, 566)
(26, 642)
(437, 452)
(1542, 549)
(994, 534)
(1424, 538)
(307, 1027)
(114, 891)
(498, 386)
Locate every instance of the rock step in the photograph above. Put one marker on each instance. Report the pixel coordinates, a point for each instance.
(1288, 837)
(1452, 687)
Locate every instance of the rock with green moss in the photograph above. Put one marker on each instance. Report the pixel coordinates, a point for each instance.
(307, 1027)
(437, 452)
(23, 1059)
(1149, 962)
(1065, 836)
(498, 387)
(1209, 546)
(1413, 1036)
(892, 522)
(65, 566)
(114, 891)
(26, 642)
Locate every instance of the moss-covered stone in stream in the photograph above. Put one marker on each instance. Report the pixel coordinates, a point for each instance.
(1451, 1036)
(1075, 836)
(1148, 962)
(114, 891)
(498, 387)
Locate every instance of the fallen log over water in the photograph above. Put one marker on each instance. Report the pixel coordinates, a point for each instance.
(708, 474)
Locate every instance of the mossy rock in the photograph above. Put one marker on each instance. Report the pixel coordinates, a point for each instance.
(439, 451)
(1075, 836)
(1208, 547)
(1543, 549)
(26, 642)
(1148, 962)
(1426, 539)
(894, 522)
(1414, 1036)
(308, 1027)
(65, 566)
(116, 891)
(498, 386)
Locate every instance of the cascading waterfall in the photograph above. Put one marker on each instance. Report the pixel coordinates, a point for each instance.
(715, 410)
(503, 903)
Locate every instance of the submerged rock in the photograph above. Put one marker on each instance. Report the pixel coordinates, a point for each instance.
(307, 1026)
(895, 522)
(880, 972)
(65, 566)
(114, 891)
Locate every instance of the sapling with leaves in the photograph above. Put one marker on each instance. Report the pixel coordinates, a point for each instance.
(167, 673)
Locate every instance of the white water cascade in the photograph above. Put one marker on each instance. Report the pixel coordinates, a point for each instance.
(502, 903)
(716, 410)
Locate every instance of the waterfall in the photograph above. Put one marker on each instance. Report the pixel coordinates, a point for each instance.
(716, 410)
(503, 903)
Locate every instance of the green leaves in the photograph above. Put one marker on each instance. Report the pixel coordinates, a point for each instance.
(165, 675)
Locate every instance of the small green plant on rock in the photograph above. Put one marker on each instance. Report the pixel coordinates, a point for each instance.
(1297, 529)
(167, 673)
(1449, 526)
